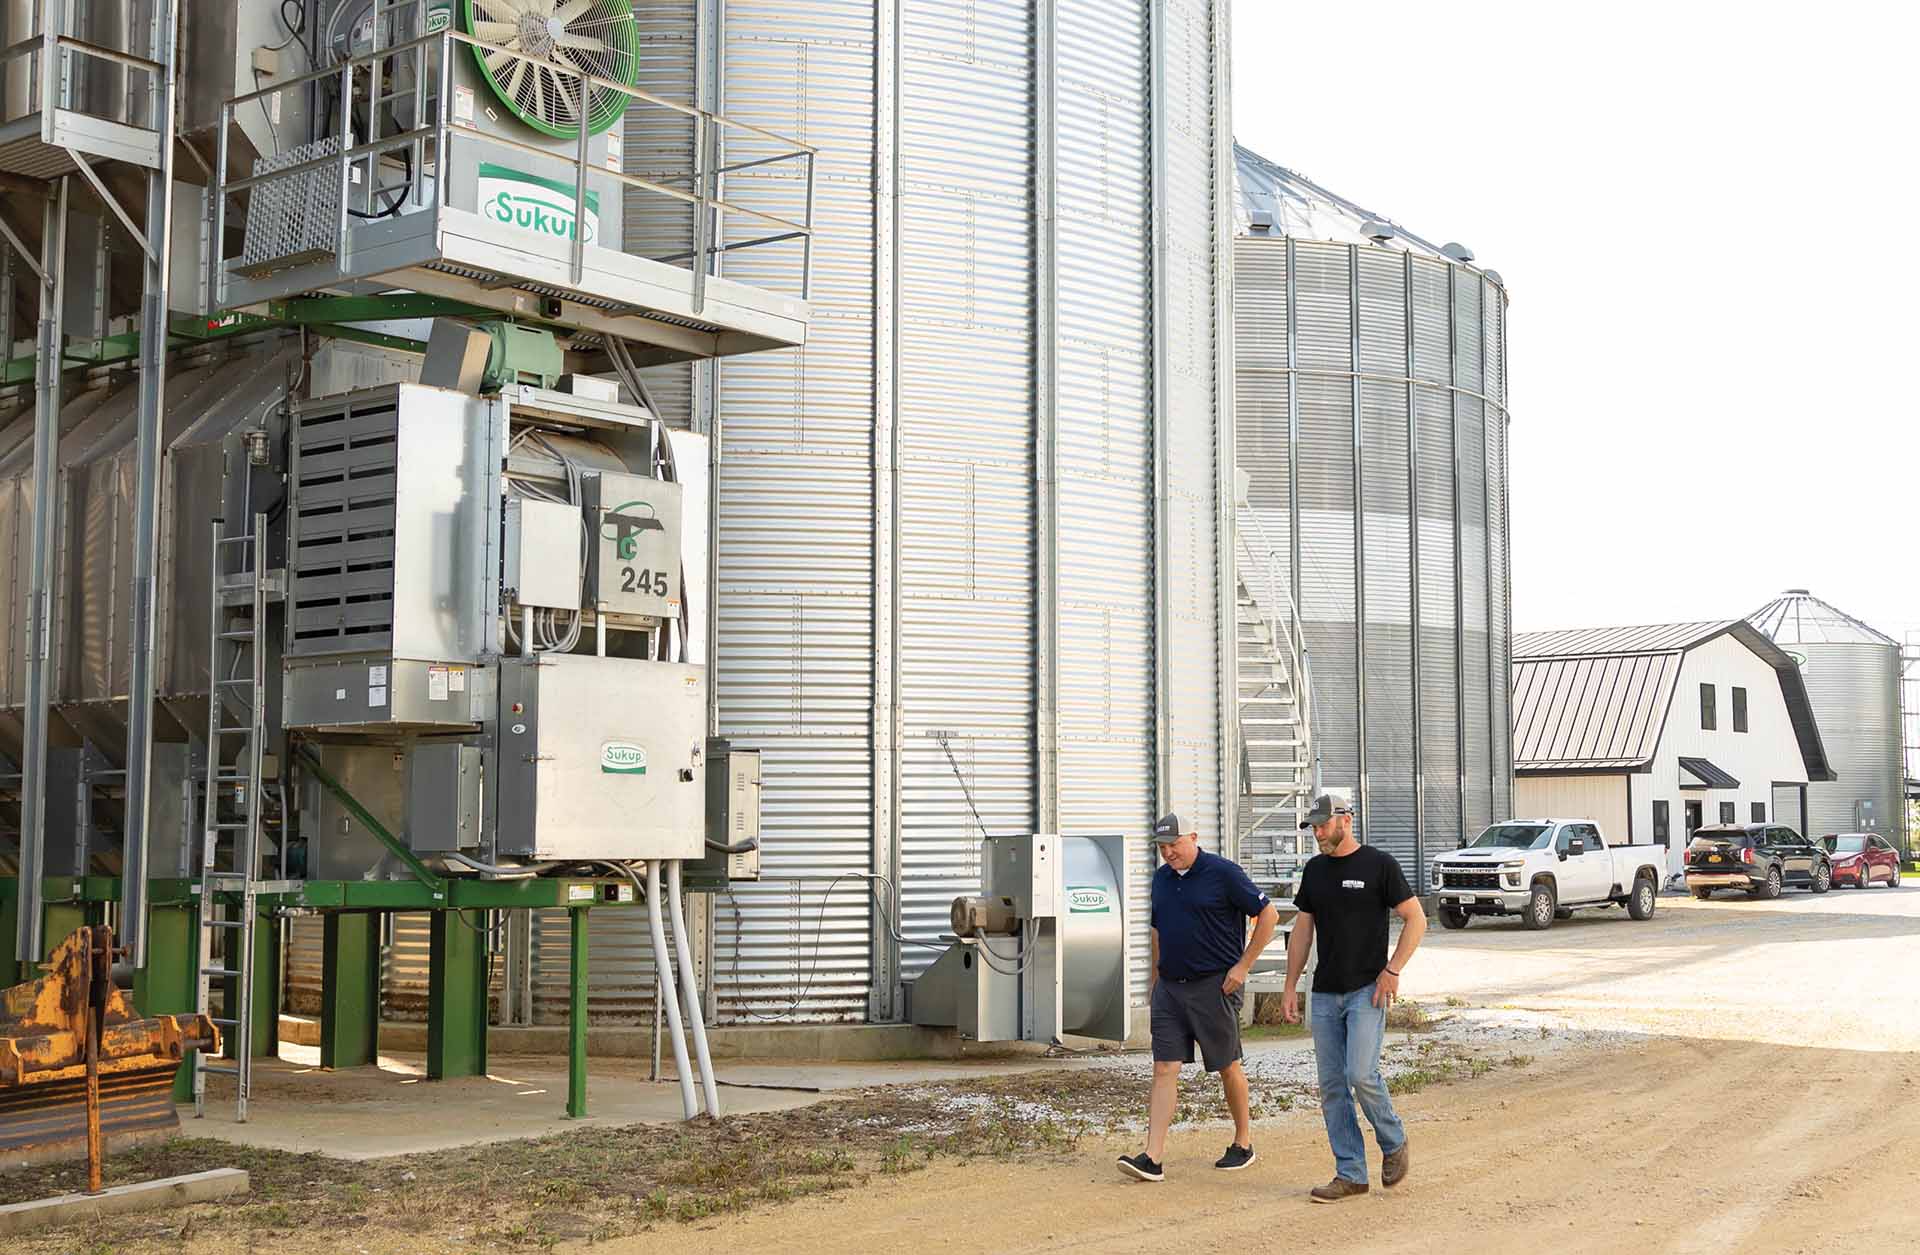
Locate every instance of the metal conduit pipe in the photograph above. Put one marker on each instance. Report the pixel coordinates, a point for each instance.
(663, 964)
(690, 991)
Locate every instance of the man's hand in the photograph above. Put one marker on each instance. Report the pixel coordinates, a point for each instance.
(1386, 987)
(1290, 1006)
(1236, 976)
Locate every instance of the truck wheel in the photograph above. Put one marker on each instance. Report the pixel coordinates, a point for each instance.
(1823, 878)
(1640, 904)
(1453, 917)
(1542, 907)
(1703, 894)
(1771, 890)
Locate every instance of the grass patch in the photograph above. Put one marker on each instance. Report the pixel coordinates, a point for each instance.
(1274, 1032)
(1410, 1016)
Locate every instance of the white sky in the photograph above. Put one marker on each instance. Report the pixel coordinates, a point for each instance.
(1697, 210)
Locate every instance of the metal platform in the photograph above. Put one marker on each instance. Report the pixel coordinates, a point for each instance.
(42, 144)
(400, 213)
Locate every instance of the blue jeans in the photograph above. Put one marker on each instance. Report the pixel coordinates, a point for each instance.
(1348, 1031)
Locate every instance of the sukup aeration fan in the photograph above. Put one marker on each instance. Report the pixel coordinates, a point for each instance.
(596, 37)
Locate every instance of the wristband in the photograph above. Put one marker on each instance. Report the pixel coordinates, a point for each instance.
(1389, 971)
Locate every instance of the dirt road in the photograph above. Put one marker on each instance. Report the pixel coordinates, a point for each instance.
(1591, 1151)
(1697, 1129)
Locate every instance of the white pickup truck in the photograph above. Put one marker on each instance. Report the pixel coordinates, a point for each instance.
(1541, 869)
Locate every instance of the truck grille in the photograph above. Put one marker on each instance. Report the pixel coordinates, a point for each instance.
(1450, 879)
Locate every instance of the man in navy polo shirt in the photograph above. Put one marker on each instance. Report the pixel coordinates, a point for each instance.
(1201, 957)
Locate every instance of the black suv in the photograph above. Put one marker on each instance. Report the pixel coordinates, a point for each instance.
(1761, 858)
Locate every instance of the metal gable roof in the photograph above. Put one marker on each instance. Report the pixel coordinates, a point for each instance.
(1593, 712)
(1617, 640)
(1596, 699)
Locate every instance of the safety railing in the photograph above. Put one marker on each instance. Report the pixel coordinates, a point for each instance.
(69, 73)
(438, 133)
(1266, 563)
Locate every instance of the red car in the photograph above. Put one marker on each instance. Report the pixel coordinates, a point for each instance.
(1862, 859)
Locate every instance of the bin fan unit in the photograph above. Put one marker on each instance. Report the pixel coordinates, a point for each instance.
(597, 37)
(518, 91)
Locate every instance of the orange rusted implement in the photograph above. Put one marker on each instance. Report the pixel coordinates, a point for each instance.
(71, 1042)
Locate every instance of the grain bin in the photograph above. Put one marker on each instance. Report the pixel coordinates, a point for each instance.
(1371, 367)
(1852, 674)
(950, 600)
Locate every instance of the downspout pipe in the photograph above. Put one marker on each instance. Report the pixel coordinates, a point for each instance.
(690, 990)
(663, 964)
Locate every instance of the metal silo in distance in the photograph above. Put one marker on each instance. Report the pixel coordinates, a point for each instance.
(1852, 674)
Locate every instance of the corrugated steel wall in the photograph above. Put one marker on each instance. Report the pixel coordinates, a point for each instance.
(936, 522)
(1855, 692)
(1379, 376)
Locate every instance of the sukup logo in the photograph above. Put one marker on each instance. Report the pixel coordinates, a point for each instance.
(1088, 899)
(623, 758)
(530, 203)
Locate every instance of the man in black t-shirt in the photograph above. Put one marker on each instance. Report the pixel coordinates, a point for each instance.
(1344, 898)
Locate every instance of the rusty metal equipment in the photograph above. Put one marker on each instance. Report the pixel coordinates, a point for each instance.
(79, 1066)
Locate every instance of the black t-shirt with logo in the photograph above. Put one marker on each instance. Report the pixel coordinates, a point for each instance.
(1349, 899)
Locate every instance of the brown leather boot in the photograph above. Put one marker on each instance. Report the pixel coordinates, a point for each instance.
(1337, 1189)
(1393, 1168)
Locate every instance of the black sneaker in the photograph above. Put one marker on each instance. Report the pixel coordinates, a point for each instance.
(1140, 1168)
(1236, 1158)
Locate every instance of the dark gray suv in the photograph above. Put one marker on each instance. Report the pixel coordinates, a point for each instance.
(1762, 859)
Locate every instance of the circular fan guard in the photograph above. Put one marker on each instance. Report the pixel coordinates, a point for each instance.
(598, 37)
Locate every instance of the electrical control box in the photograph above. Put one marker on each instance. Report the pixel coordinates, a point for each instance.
(542, 554)
(733, 817)
(634, 563)
(601, 758)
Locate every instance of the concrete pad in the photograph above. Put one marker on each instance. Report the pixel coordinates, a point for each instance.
(393, 1109)
(838, 1042)
(45, 1213)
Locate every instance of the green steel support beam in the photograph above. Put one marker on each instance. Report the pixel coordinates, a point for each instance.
(62, 918)
(165, 984)
(338, 309)
(350, 989)
(266, 987)
(577, 1015)
(10, 966)
(457, 995)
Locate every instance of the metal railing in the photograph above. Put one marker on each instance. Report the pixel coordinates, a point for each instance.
(436, 129)
(59, 86)
(1284, 630)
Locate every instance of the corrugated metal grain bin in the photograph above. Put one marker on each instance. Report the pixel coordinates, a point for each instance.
(1371, 368)
(1852, 673)
(943, 580)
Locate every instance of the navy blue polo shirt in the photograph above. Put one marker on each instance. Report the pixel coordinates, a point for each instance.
(1202, 916)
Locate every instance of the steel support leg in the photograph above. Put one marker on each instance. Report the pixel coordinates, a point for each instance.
(148, 451)
(350, 990)
(577, 1015)
(457, 995)
(266, 989)
(39, 604)
(166, 984)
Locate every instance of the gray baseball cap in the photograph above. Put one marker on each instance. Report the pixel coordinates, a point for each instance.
(1325, 806)
(1167, 829)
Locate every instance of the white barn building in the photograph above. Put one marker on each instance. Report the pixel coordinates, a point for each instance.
(1655, 731)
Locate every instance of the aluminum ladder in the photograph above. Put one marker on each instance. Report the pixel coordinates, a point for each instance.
(236, 721)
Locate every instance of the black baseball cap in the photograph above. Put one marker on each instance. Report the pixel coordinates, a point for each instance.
(1167, 829)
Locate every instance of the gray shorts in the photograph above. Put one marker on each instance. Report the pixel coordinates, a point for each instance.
(1186, 1013)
